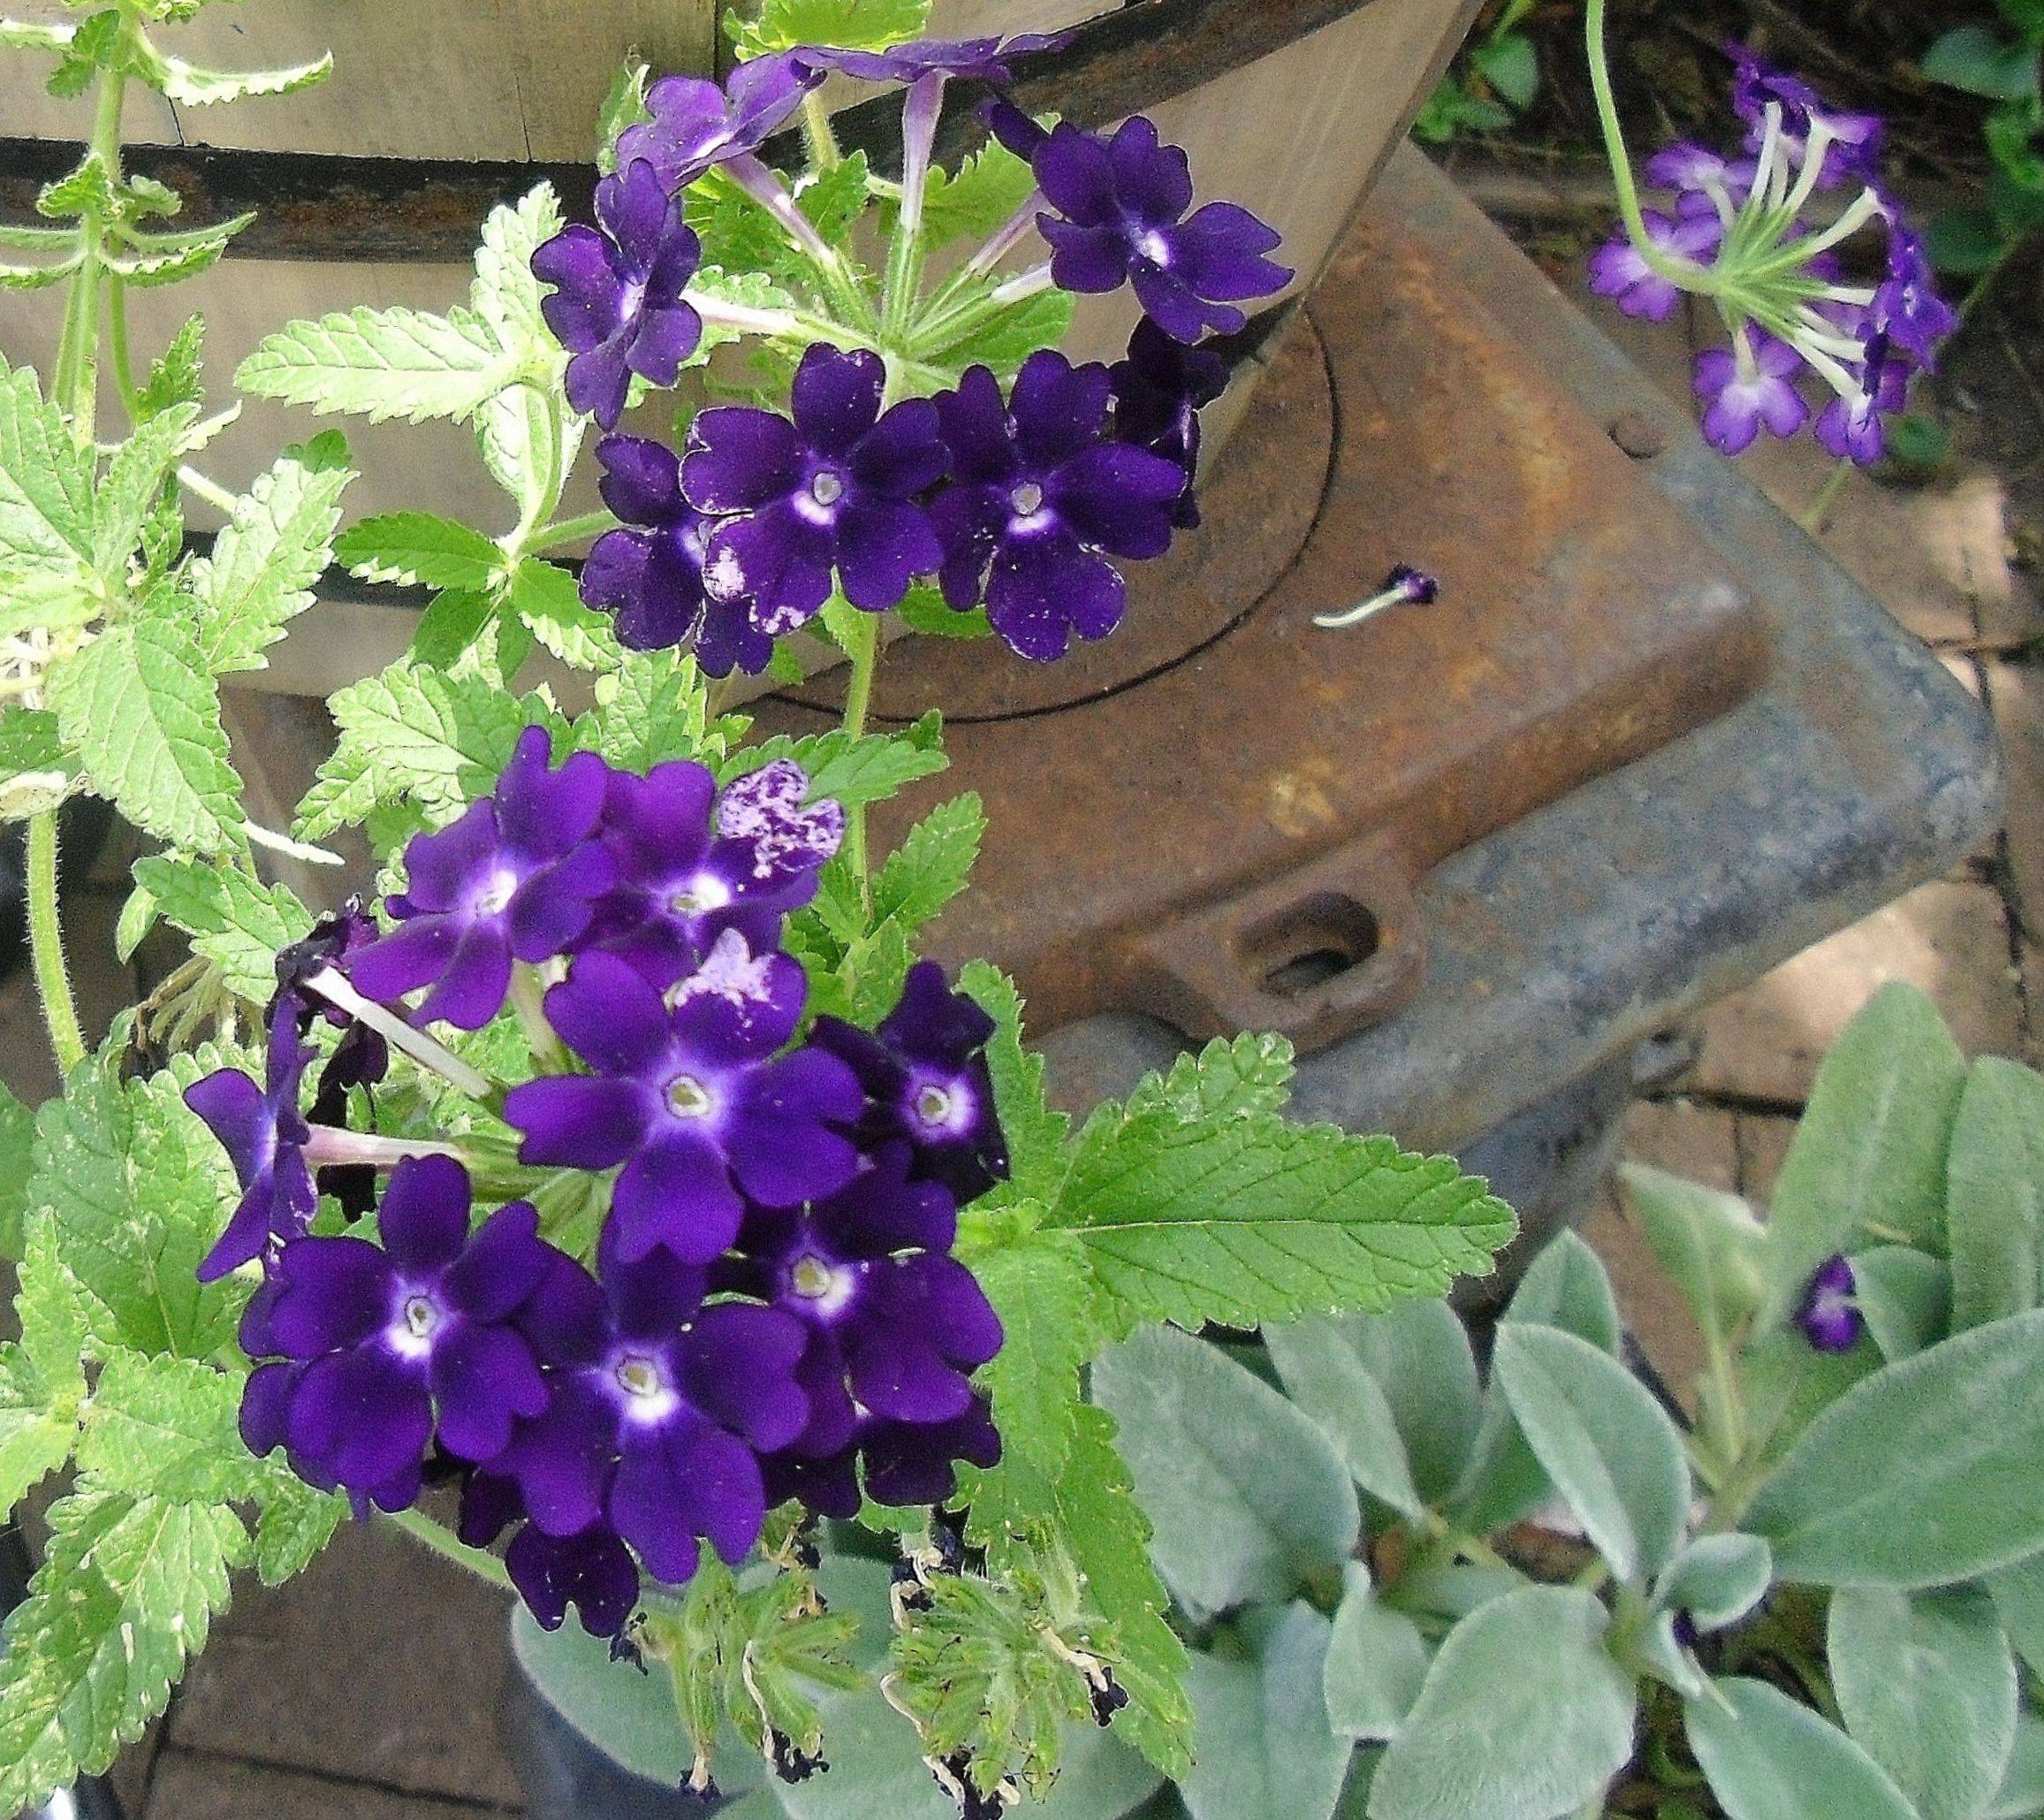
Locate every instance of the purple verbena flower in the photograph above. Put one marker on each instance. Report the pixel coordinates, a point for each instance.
(1830, 1320)
(1854, 427)
(1159, 389)
(659, 1410)
(695, 124)
(1851, 141)
(906, 1465)
(1122, 218)
(1906, 308)
(593, 1570)
(692, 864)
(1743, 395)
(393, 1338)
(517, 877)
(835, 490)
(265, 1135)
(1618, 271)
(970, 59)
(616, 305)
(1036, 496)
(649, 579)
(690, 1095)
(925, 1076)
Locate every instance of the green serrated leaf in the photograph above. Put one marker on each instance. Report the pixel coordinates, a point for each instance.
(547, 599)
(1255, 1219)
(863, 25)
(505, 294)
(1229, 1079)
(743, 287)
(46, 483)
(653, 708)
(17, 1142)
(925, 609)
(166, 1428)
(982, 195)
(1011, 338)
(146, 720)
(267, 560)
(1035, 1132)
(383, 363)
(85, 190)
(195, 87)
(1043, 1293)
(94, 45)
(234, 922)
(146, 260)
(36, 766)
(126, 1591)
(416, 549)
(853, 771)
(175, 373)
(37, 1427)
(125, 498)
(930, 866)
(292, 1524)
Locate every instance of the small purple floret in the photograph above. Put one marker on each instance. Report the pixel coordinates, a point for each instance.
(1854, 150)
(616, 305)
(695, 124)
(265, 1135)
(1620, 271)
(970, 59)
(1828, 1317)
(592, 1570)
(517, 877)
(835, 491)
(1742, 397)
(1159, 389)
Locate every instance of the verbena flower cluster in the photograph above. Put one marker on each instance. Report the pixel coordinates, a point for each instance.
(774, 1303)
(1848, 306)
(1017, 497)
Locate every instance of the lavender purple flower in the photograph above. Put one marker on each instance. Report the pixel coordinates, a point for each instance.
(1747, 387)
(1618, 271)
(694, 124)
(970, 59)
(1829, 1318)
(616, 305)
(517, 877)
(835, 490)
(1038, 500)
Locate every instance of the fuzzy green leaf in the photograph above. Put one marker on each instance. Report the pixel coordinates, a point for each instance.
(415, 549)
(146, 720)
(1995, 1194)
(1708, 1241)
(1325, 1376)
(863, 24)
(656, 707)
(1377, 1663)
(127, 1590)
(194, 87)
(868, 769)
(1769, 1758)
(546, 599)
(383, 363)
(1266, 1746)
(268, 558)
(42, 1378)
(165, 1428)
(234, 922)
(127, 495)
(1257, 1219)
(46, 483)
(980, 196)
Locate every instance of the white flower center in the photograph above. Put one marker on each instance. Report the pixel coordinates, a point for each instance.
(698, 897)
(932, 1105)
(1154, 247)
(827, 488)
(689, 1098)
(497, 893)
(1028, 500)
(410, 1334)
(649, 1398)
(640, 1377)
(826, 1286)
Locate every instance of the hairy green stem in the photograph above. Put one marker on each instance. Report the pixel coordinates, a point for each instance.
(117, 330)
(46, 945)
(570, 530)
(1684, 273)
(421, 1528)
(211, 491)
(820, 135)
(1818, 508)
(863, 646)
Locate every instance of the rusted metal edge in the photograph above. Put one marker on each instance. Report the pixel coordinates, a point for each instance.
(419, 210)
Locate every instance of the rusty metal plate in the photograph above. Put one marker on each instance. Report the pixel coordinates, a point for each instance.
(1224, 827)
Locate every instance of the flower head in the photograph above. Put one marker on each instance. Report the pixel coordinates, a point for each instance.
(398, 1340)
(1159, 389)
(518, 876)
(693, 863)
(659, 1408)
(1038, 500)
(970, 59)
(833, 490)
(616, 305)
(694, 124)
(593, 1570)
(925, 1076)
(1829, 1318)
(1906, 308)
(649, 579)
(1749, 387)
(1120, 218)
(691, 1096)
(265, 1135)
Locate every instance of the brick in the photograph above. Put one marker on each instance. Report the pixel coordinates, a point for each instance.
(380, 1663)
(1763, 1144)
(193, 1787)
(1949, 939)
(2017, 693)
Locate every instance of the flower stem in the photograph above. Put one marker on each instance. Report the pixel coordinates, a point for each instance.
(1684, 273)
(211, 491)
(421, 1528)
(861, 641)
(46, 944)
(1818, 508)
(820, 134)
(570, 530)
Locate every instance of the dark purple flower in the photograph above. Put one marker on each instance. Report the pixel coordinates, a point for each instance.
(692, 864)
(1036, 496)
(1120, 218)
(906, 1465)
(1828, 1315)
(1852, 142)
(616, 305)
(926, 1080)
(1619, 271)
(264, 1136)
(1906, 308)
(835, 489)
(659, 1408)
(691, 1097)
(1159, 389)
(1741, 396)
(695, 124)
(517, 877)
(896, 1324)
(1855, 428)
(650, 580)
(592, 1571)
(970, 59)
(391, 1337)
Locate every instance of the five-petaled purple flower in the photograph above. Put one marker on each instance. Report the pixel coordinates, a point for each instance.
(836, 490)
(1038, 499)
(1122, 218)
(517, 877)
(592, 1570)
(382, 1341)
(1743, 391)
(694, 124)
(1618, 271)
(1829, 1317)
(692, 864)
(616, 305)
(692, 1097)
(927, 1082)
(265, 1135)
(1851, 141)
(659, 1410)
(649, 579)
(1159, 389)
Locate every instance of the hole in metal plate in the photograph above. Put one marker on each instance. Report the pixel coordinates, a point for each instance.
(1305, 947)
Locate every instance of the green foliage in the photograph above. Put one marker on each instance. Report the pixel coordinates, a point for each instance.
(1280, 1756)
(863, 24)
(1999, 64)
(652, 708)
(982, 195)
(1377, 1663)
(1496, 77)
(1769, 1758)
(414, 549)
(233, 922)
(1995, 1194)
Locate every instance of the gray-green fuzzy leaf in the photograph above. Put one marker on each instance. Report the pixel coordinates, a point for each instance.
(1265, 1746)
(1906, 1298)
(1995, 1194)
(1325, 1375)
(1769, 1758)
(2018, 1593)
(1377, 1663)
(1708, 1241)
(1716, 1579)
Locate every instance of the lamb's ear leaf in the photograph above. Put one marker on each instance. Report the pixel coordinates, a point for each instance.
(1276, 1752)
(1768, 1756)
(1995, 1194)
(1377, 1663)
